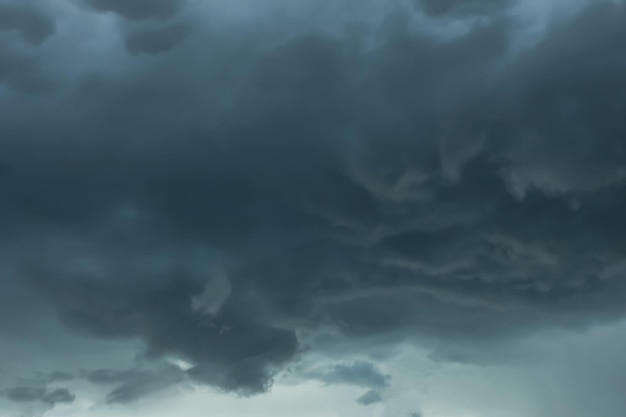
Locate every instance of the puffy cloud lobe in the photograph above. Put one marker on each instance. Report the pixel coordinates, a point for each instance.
(57, 376)
(369, 398)
(37, 400)
(437, 186)
(109, 376)
(32, 24)
(232, 350)
(46, 378)
(446, 7)
(59, 396)
(139, 9)
(589, 111)
(359, 373)
(156, 41)
(145, 383)
(37, 394)
(127, 386)
(22, 73)
(25, 394)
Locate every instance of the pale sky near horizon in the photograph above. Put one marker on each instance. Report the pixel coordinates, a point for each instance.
(319, 208)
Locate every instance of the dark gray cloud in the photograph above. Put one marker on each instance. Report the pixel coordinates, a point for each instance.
(22, 72)
(35, 401)
(45, 378)
(57, 376)
(110, 376)
(231, 350)
(127, 386)
(59, 396)
(359, 373)
(369, 398)
(33, 24)
(447, 7)
(141, 384)
(139, 9)
(437, 190)
(38, 394)
(156, 41)
(25, 394)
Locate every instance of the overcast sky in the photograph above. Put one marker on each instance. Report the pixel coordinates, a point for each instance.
(320, 208)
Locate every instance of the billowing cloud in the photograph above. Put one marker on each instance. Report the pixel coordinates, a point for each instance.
(127, 386)
(32, 24)
(155, 41)
(369, 398)
(25, 394)
(139, 9)
(110, 376)
(445, 7)
(22, 73)
(59, 396)
(230, 201)
(57, 376)
(359, 373)
(232, 350)
(37, 394)
(35, 401)
(142, 384)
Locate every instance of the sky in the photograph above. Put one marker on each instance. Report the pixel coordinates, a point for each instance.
(321, 208)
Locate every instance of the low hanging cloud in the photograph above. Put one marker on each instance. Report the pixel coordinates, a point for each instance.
(445, 7)
(41, 395)
(359, 373)
(143, 384)
(455, 189)
(110, 376)
(32, 24)
(22, 73)
(139, 9)
(128, 386)
(36, 401)
(369, 398)
(156, 41)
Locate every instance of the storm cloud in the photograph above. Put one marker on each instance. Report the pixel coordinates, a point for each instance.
(369, 398)
(22, 73)
(32, 24)
(36, 394)
(360, 373)
(139, 9)
(443, 7)
(369, 180)
(155, 41)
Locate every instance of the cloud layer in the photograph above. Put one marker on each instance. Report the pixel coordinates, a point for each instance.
(140, 9)
(452, 181)
(33, 25)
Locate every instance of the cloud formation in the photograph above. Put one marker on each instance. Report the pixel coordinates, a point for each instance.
(51, 397)
(359, 373)
(369, 398)
(33, 25)
(140, 9)
(35, 401)
(22, 73)
(391, 182)
(444, 7)
(145, 383)
(156, 41)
